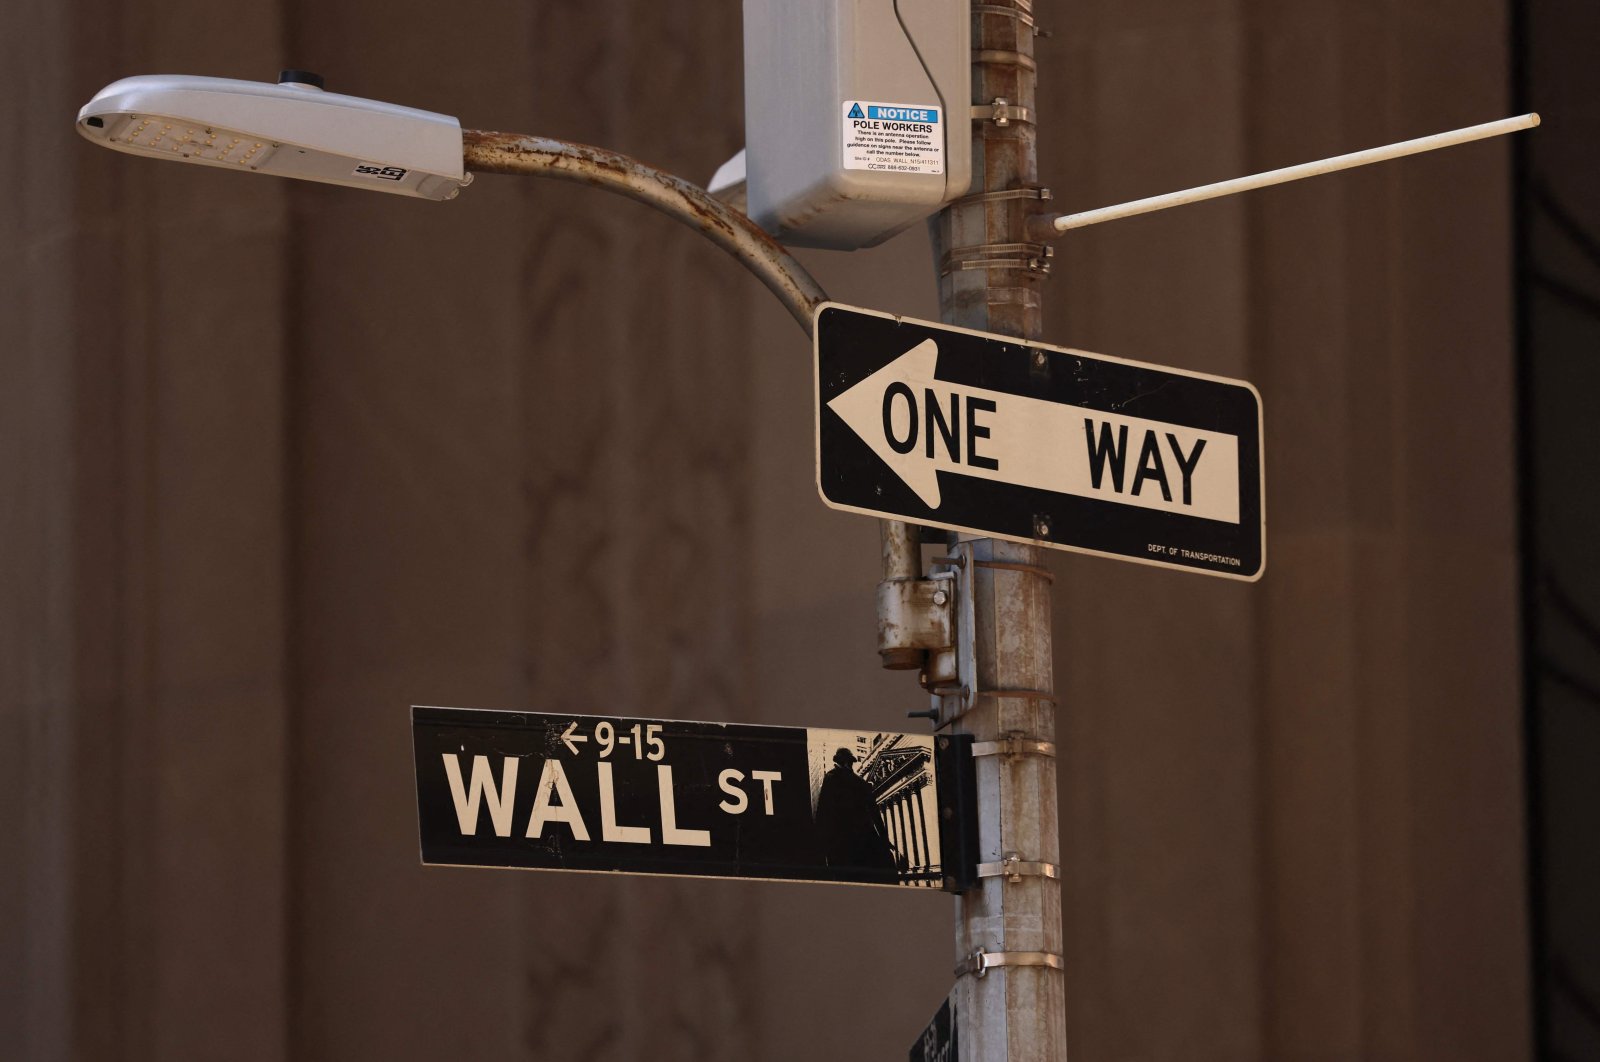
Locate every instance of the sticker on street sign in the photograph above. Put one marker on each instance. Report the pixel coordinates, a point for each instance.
(657, 796)
(999, 437)
(938, 1042)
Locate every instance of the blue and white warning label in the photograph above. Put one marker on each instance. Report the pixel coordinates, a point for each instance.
(893, 137)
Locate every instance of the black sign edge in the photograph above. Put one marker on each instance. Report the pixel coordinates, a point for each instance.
(416, 781)
(956, 775)
(695, 877)
(816, 436)
(816, 318)
(632, 718)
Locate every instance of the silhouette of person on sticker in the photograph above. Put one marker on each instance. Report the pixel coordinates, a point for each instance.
(852, 833)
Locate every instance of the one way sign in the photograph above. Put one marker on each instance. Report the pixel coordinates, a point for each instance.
(996, 436)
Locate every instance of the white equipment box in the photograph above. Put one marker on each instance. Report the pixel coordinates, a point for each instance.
(857, 115)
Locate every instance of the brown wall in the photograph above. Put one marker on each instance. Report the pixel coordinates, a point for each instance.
(277, 461)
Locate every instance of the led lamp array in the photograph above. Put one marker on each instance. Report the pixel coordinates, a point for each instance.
(192, 142)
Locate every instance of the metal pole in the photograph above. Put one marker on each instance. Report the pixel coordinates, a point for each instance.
(1010, 990)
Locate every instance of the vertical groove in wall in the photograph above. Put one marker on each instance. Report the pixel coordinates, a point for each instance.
(99, 826)
(138, 574)
(293, 606)
(1256, 360)
(293, 515)
(1520, 17)
(294, 457)
(577, 287)
(617, 288)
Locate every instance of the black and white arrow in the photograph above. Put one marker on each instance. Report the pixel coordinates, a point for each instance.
(921, 426)
(570, 739)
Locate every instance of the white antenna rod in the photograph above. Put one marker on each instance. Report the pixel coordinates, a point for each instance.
(1062, 222)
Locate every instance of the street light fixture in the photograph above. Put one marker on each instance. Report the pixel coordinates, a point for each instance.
(296, 129)
(291, 129)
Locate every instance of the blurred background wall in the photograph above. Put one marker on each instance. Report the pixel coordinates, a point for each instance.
(1558, 263)
(279, 460)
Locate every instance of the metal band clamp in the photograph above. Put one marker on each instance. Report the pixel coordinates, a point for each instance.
(1031, 257)
(981, 962)
(1021, 14)
(1001, 112)
(1014, 745)
(1043, 195)
(1014, 868)
(1003, 57)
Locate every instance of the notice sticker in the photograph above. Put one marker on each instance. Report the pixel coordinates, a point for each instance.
(893, 137)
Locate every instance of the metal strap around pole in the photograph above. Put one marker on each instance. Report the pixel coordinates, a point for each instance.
(1001, 196)
(1001, 112)
(1033, 257)
(982, 961)
(1003, 57)
(1022, 15)
(1014, 868)
(1014, 745)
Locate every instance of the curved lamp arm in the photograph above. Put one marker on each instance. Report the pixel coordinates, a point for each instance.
(488, 152)
(538, 156)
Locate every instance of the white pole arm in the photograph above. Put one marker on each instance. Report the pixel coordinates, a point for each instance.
(1062, 222)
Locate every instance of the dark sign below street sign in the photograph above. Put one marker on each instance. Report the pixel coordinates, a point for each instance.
(657, 796)
(938, 1041)
(996, 436)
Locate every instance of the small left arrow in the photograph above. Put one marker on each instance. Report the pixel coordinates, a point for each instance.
(570, 739)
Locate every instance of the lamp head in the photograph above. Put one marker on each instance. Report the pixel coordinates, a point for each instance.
(291, 129)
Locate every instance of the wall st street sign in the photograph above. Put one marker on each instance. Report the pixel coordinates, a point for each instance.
(658, 796)
(996, 436)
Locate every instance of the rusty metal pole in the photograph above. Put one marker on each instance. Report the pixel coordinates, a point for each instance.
(1010, 991)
